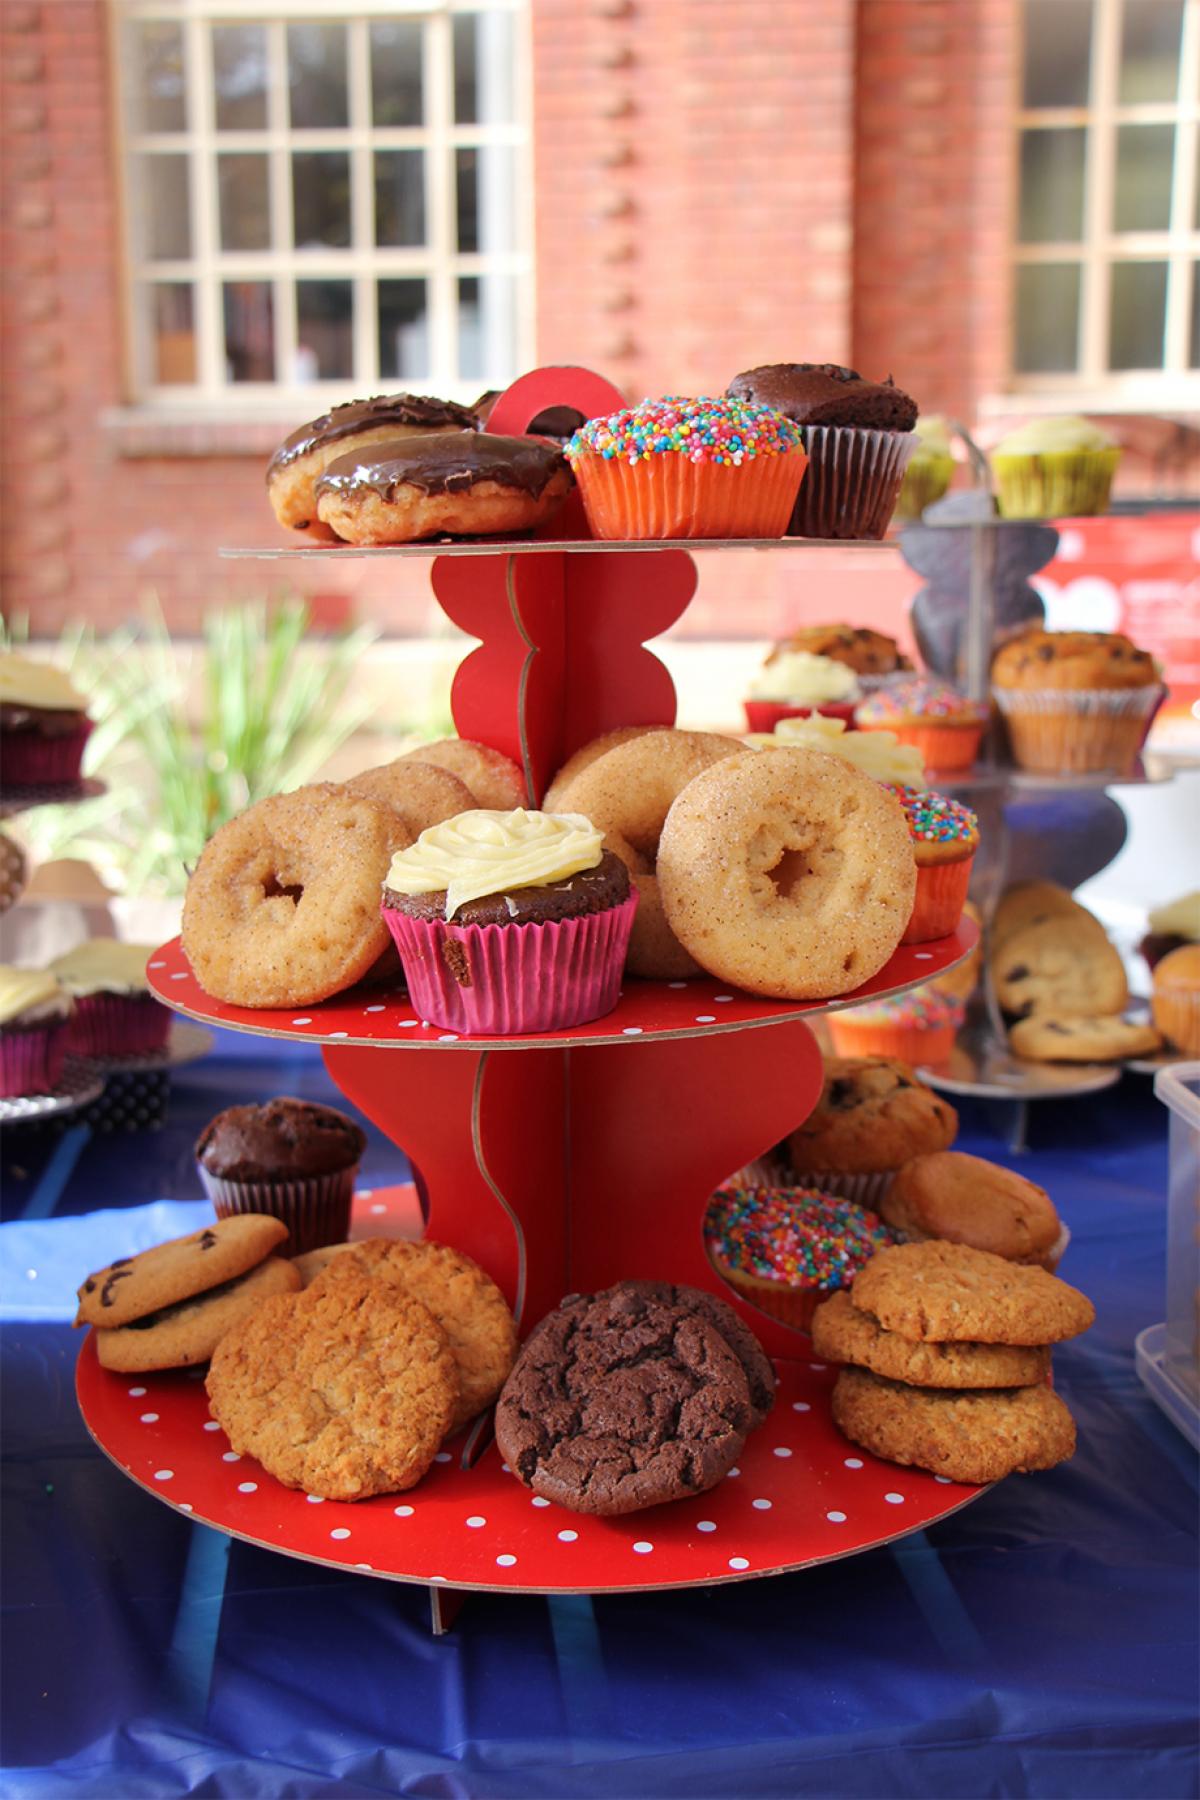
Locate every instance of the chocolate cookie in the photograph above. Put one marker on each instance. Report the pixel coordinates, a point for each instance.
(188, 1332)
(939, 1293)
(973, 1437)
(759, 1370)
(620, 1401)
(133, 1286)
(843, 1333)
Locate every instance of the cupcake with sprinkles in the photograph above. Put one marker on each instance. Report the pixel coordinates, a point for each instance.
(786, 1249)
(945, 837)
(919, 1027)
(940, 722)
(709, 468)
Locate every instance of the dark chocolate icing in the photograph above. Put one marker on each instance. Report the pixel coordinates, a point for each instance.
(279, 1140)
(365, 415)
(826, 394)
(446, 463)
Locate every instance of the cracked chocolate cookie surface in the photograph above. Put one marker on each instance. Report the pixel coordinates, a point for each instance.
(621, 1400)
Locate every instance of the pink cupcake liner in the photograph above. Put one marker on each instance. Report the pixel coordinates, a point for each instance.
(519, 978)
(852, 482)
(31, 1061)
(118, 1025)
(29, 760)
(316, 1210)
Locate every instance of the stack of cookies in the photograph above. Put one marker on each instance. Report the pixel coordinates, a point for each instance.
(1060, 981)
(948, 1353)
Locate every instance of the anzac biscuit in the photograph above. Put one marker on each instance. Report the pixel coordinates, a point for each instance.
(873, 1114)
(971, 1437)
(189, 1332)
(345, 1390)
(466, 1303)
(968, 1200)
(939, 1293)
(620, 1401)
(1060, 967)
(845, 1334)
(1089, 1038)
(133, 1286)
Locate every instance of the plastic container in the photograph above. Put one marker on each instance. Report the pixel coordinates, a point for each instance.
(1177, 1367)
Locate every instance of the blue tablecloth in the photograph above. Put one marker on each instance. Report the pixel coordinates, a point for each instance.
(1042, 1642)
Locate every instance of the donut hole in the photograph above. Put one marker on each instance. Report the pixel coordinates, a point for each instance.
(792, 868)
(275, 888)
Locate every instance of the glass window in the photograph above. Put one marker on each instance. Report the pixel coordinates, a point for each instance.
(158, 94)
(1052, 185)
(397, 72)
(324, 331)
(1137, 315)
(1057, 52)
(249, 314)
(244, 195)
(403, 330)
(1142, 193)
(166, 208)
(1150, 39)
(173, 328)
(320, 199)
(399, 197)
(239, 55)
(1047, 323)
(317, 91)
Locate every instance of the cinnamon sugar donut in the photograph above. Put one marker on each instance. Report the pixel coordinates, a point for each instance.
(493, 778)
(627, 793)
(586, 755)
(790, 875)
(420, 792)
(284, 906)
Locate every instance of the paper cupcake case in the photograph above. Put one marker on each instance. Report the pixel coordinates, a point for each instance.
(31, 1061)
(118, 1025)
(1059, 484)
(1065, 731)
(315, 1209)
(865, 1189)
(852, 482)
(31, 760)
(669, 496)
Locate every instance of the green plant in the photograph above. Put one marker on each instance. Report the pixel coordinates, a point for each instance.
(274, 709)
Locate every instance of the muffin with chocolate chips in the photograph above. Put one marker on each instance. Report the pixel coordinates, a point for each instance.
(873, 1115)
(292, 1159)
(1076, 701)
(858, 435)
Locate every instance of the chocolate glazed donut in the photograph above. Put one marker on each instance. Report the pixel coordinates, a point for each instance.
(448, 484)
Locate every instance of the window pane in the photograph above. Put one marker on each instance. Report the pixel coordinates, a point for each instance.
(1137, 316)
(1052, 186)
(245, 202)
(1194, 353)
(324, 331)
(487, 329)
(1058, 41)
(483, 68)
(399, 197)
(403, 331)
(321, 199)
(157, 97)
(1142, 197)
(316, 56)
(239, 55)
(1047, 324)
(173, 327)
(249, 331)
(166, 207)
(397, 92)
(485, 184)
(1150, 33)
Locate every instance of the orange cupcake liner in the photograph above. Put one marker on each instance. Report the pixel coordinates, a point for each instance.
(793, 1306)
(945, 748)
(911, 1043)
(941, 894)
(668, 496)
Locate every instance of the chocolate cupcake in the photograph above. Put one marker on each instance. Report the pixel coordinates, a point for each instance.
(290, 1158)
(858, 435)
(43, 725)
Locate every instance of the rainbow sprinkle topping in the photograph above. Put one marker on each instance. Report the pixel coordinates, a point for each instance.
(936, 818)
(923, 700)
(923, 1007)
(795, 1235)
(705, 431)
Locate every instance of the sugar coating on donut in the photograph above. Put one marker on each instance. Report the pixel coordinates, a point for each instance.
(494, 779)
(284, 906)
(420, 792)
(586, 755)
(790, 875)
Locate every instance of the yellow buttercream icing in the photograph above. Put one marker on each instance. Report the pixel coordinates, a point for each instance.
(24, 682)
(808, 680)
(33, 991)
(1044, 437)
(478, 853)
(876, 753)
(103, 966)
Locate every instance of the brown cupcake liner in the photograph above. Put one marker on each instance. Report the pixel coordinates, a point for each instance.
(853, 479)
(315, 1209)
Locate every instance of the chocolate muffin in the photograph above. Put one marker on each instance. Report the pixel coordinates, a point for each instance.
(290, 1158)
(858, 435)
(589, 891)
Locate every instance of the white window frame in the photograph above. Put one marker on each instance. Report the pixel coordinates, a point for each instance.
(439, 261)
(1093, 387)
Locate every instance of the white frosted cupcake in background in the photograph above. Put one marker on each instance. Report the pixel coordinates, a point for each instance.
(1054, 469)
(795, 684)
(930, 467)
(115, 1012)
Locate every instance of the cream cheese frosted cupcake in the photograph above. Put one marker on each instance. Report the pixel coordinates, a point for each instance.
(795, 684)
(43, 724)
(115, 1012)
(510, 922)
(1054, 469)
(34, 1012)
(879, 754)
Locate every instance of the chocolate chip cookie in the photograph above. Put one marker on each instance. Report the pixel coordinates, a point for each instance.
(133, 1286)
(1061, 968)
(620, 1401)
(1091, 1037)
(972, 1437)
(177, 1336)
(843, 1333)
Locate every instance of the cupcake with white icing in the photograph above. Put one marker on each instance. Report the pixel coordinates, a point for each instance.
(795, 684)
(35, 1010)
(115, 1012)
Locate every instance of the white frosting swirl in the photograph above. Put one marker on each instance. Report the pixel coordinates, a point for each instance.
(24, 682)
(482, 852)
(103, 966)
(1045, 437)
(807, 679)
(876, 753)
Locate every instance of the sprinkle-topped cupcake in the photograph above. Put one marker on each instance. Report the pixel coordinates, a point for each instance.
(678, 468)
(918, 1026)
(945, 837)
(786, 1249)
(943, 724)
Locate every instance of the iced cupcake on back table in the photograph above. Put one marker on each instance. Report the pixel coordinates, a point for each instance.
(1054, 469)
(795, 684)
(43, 725)
(115, 1012)
(930, 468)
(34, 1012)
(510, 922)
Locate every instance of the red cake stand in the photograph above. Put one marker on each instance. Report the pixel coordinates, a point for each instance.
(562, 1162)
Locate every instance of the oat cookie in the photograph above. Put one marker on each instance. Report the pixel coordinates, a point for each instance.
(345, 1389)
(619, 1401)
(464, 1300)
(874, 1113)
(1091, 1037)
(759, 1370)
(133, 1286)
(845, 1334)
(968, 1200)
(972, 1437)
(1059, 967)
(188, 1332)
(310, 1265)
(939, 1293)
